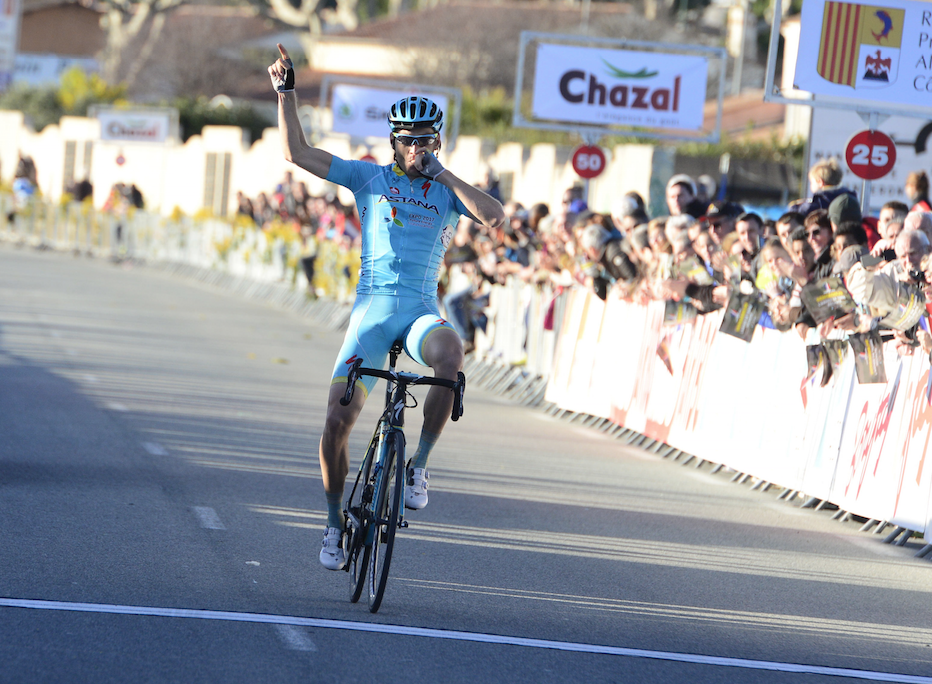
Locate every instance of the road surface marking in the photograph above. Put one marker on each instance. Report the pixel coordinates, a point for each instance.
(295, 638)
(155, 448)
(476, 637)
(208, 518)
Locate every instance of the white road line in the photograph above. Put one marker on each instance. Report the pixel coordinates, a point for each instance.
(155, 448)
(116, 406)
(295, 638)
(208, 518)
(476, 637)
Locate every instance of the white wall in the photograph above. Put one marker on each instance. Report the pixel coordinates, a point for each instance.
(172, 175)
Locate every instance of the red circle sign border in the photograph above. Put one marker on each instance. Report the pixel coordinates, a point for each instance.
(582, 163)
(870, 154)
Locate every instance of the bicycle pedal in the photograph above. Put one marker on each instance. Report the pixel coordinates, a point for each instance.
(403, 523)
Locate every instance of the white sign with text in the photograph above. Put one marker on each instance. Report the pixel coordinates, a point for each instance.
(619, 87)
(362, 112)
(135, 126)
(880, 52)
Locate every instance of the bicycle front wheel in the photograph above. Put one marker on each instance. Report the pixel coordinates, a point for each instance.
(387, 511)
(357, 518)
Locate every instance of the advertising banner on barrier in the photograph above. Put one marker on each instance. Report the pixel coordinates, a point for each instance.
(878, 51)
(752, 406)
(619, 87)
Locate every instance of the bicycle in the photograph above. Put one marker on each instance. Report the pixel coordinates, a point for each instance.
(373, 510)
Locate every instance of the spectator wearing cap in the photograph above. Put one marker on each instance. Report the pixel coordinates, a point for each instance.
(721, 217)
(609, 254)
(681, 196)
(825, 184)
(845, 208)
(629, 211)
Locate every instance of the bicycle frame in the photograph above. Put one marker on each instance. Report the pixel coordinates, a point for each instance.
(364, 509)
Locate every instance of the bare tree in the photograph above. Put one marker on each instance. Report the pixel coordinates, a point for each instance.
(133, 28)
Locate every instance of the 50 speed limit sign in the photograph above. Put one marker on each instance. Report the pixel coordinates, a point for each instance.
(870, 154)
(588, 161)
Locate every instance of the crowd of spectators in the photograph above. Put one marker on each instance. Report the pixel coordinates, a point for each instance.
(701, 253)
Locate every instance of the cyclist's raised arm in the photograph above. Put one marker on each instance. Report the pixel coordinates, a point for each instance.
(294, 144)
(483, 207)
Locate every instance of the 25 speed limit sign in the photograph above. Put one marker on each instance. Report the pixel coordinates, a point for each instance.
(588, 161)
(870, 154)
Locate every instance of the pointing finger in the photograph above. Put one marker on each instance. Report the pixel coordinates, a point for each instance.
(284, 52)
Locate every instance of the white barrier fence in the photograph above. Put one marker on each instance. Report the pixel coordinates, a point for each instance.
(747, 406)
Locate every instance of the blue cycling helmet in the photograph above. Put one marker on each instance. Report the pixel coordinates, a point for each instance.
(415, 111)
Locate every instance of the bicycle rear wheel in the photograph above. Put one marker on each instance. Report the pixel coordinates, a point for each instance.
(386, 522)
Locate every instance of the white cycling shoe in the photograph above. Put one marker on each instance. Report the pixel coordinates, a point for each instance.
(416, 488)
(332, 555)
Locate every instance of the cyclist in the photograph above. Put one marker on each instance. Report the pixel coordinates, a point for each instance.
(408, 211)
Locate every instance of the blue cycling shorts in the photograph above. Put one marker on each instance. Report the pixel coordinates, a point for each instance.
(376, 322)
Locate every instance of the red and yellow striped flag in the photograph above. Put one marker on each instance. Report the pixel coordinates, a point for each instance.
(838, 48)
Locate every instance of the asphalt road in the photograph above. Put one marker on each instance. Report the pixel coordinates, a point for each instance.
(161, 511)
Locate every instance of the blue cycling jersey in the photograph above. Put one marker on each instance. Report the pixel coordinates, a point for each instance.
(407, 226)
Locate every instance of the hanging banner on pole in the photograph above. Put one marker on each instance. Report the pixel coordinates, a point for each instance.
(879, 52)
(619, 87)
(10, 12)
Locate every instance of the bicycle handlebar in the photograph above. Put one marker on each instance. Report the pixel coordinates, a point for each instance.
(356, 371)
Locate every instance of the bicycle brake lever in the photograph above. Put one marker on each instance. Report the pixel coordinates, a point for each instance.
(351, 377)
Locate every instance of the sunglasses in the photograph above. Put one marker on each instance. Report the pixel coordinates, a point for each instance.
(422, 140)
(813, 233)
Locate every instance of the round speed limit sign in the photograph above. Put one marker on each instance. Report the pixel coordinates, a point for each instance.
(588, 161)
(870, 154)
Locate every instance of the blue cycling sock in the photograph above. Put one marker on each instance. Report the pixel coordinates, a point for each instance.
(428, 439)
(335, 510)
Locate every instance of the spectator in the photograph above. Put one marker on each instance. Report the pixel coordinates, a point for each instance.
(25, 187)
(889, 224)
(786, 225)
(919, 220)
(748, 228)
(609, 254)
(825, 184)
(721, 217)
(802, 252)
(845, 208)
(681, 197)
(819, 234)
(911, 246)
(917, 190)
(784, 303)
(535, 214)
(82, 190)
(490, 183)
(629, 211)
(705, 189)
